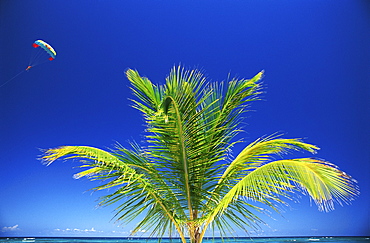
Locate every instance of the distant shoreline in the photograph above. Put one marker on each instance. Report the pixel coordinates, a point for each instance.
(174, 238)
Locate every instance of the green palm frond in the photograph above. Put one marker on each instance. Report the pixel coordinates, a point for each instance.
(140, 190)
(263, 150)
(253, 156)
(322, 181)
(149, 95)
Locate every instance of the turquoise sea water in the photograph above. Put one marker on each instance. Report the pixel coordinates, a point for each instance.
(230, 240)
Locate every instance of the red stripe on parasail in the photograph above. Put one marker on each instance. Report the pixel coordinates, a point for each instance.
(35, 45)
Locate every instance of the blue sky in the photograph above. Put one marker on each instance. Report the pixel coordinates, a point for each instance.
(316, 57)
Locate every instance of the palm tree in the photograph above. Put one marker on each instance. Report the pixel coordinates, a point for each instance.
(183, 180)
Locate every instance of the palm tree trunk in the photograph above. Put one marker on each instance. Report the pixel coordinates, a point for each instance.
(194, 234)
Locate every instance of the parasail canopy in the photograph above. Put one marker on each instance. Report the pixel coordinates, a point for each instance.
(50, 50)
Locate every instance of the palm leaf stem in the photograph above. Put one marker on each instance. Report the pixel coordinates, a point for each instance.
(183, 157)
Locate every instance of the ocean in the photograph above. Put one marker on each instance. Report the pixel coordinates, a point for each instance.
(207, 240)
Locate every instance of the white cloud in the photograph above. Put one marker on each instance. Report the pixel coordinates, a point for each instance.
(75, 230)
(140, 230)
(91, 230)
(10, 228)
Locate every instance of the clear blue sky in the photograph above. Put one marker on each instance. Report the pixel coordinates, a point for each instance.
(316, 57)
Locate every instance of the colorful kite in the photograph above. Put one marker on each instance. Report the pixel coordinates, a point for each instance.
(50, 52)
(43, 53)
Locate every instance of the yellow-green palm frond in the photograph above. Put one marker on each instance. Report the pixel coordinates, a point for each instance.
(257, 153)
(85, 152)
(230, 100)
(149, 95)
(263, 150)
(322, 181)
(139, 186)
